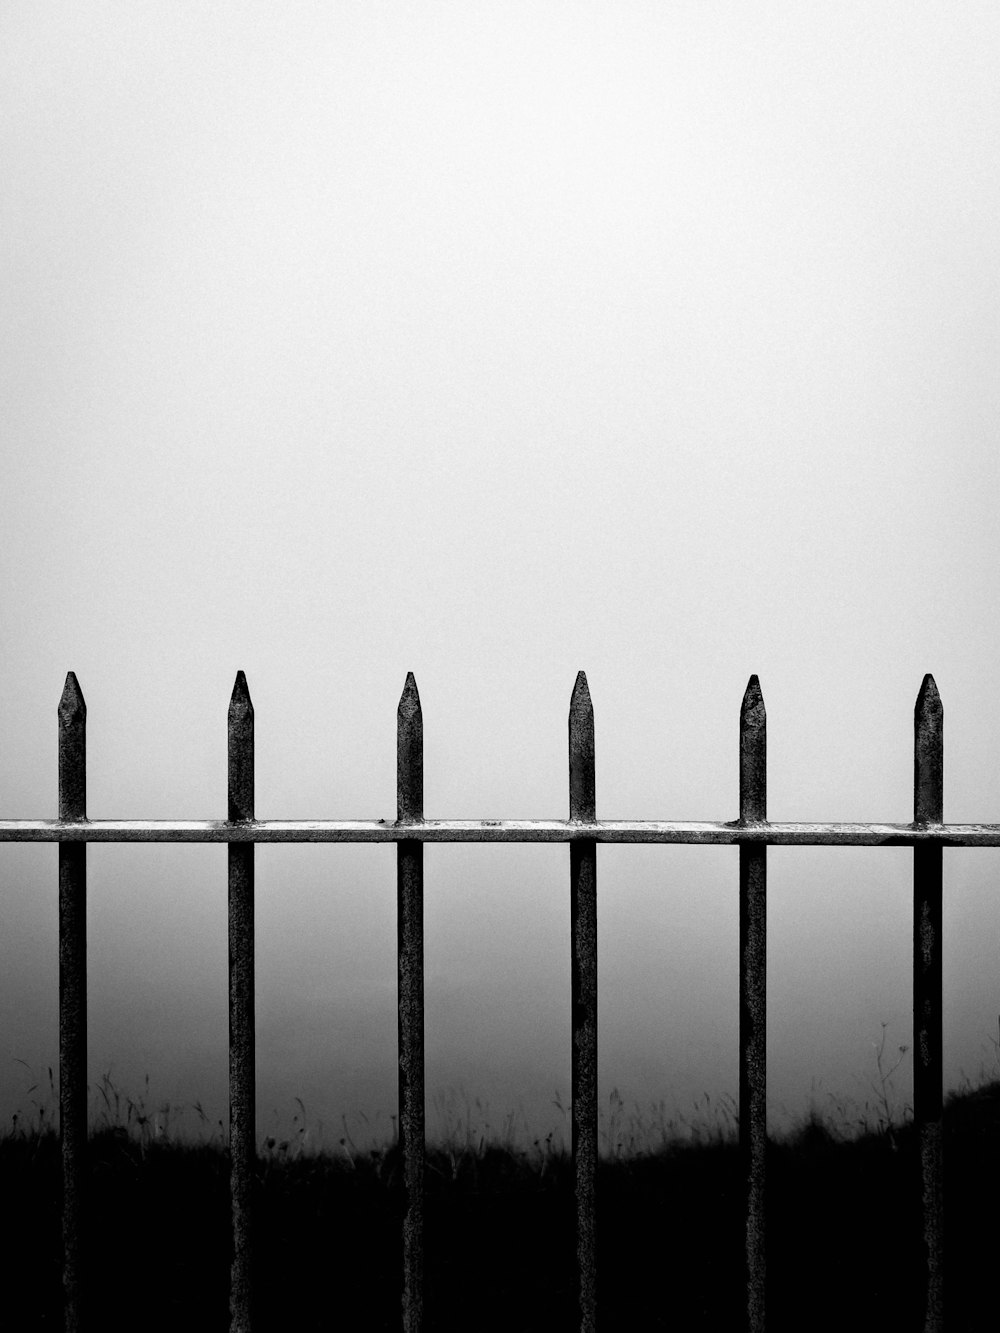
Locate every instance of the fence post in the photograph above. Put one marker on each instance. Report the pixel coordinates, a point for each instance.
(410, 971)
(72, 714)
(928, 808)
(753, 997)
(242, 1051)
(583, 931)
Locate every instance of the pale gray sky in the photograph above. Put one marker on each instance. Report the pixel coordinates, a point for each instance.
(494, 341)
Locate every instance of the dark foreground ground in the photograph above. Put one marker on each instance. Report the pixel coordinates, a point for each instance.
(843, 1240)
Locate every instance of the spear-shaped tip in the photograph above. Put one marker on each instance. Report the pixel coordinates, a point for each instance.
(753, 753)
(72, 705)
(752, 713)
(409, 753)
(582, 789)
(241, 746)
(409, 700)
(240, 703)
(580, 701)
(72, 713)
(928, 755)
(929, 706)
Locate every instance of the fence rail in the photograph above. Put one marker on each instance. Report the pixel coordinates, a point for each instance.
(777, 834)
(752, 832)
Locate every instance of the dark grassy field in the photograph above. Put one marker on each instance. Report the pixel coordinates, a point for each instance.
(843, 1240)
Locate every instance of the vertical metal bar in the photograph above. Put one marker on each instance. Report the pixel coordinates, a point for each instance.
(72, 713)
(753, 997)
(410, 971)
(583, 931)
(928, 808)
(242, 1053)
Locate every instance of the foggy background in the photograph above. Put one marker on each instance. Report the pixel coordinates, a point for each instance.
(492, 342)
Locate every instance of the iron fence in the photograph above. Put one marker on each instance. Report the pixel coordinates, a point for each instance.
(752, 832)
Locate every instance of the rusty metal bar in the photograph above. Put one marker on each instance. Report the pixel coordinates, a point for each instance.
(583, 931)
(242, 1048)
(753, 997)
(702, 833)
(928, 1073)
(72, 714)
(410, 966)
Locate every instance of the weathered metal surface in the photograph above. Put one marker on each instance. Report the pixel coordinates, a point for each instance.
(753, 997)
(242, 1044)
(72, 714)
(582, 769)
(410, 968)
(703, 833)
(928, 1071)
(583, 931)
(928, 755)
(240, 751)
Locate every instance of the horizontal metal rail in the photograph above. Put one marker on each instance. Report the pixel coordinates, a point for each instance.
(734, 833)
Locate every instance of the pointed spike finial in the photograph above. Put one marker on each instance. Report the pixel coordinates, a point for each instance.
(71, 702)
(409, 753)
(72, 715)
(753, 753)
(582, 778)
(580, 698)
(409, 700)
(240, 701)
(240, 735)
(928, 754)
(752, 711)
(928, 696)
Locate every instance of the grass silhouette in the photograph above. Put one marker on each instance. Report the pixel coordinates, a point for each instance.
(843, 1242)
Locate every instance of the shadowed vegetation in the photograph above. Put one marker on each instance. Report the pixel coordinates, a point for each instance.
(843, 1240)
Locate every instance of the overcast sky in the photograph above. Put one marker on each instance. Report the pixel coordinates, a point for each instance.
(495, 341)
